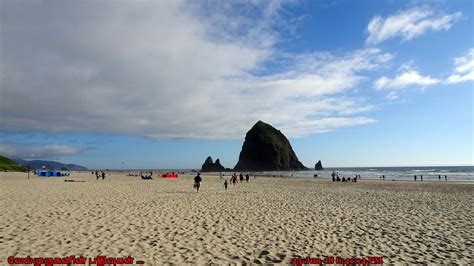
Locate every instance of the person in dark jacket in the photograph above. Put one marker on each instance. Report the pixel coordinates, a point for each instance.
(197, 182)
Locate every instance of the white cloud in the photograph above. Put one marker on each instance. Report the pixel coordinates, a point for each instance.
(35, 151)
(403, 80)
(393, 95)
(464, 68)
(165, 69)
(302, 128)
(409, 24)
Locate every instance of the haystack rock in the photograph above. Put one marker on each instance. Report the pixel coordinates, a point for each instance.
(318, 166)
(210, 166)
(267, 149)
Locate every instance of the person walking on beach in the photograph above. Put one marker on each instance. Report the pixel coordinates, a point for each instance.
(439, 177)
(241, 178)
(446, 178)
(197, 182)
(333, 177)
(415, 177)
(247, 177)
(225, 184)
(103, 175)
(383, 177)
(234, 179)
(421, 177)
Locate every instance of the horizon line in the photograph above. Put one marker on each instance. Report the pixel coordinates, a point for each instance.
(310, 169)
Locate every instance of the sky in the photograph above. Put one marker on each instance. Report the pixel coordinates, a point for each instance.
(164, 84)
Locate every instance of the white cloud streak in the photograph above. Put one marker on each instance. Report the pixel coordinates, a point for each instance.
(166, 70)
(29, 151)
(403, 80)
(409, 24)
(464, 68)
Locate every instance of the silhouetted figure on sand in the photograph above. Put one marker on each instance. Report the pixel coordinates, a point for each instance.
(103, 175)
(225, 184)
(446, 178)
(439, 177)
(241, 178)
(421, 178)
(383, 177)
(333, 175)
(415, 177)
(247, 177)
(197, 182)
(338, 179)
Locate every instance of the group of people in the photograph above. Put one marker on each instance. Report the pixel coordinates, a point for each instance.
(336, 178)
(439, 177)
(234, 179)
(129, 174)
(146, 177)
(97, 175)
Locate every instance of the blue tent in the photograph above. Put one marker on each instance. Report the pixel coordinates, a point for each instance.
(47, 173)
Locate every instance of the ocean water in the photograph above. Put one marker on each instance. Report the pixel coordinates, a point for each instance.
(430, 173)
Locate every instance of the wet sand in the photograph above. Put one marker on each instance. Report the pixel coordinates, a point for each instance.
(268, 220)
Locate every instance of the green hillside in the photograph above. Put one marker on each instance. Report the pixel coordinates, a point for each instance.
(9, 165)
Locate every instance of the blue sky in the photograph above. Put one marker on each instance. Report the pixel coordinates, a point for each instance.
(165, 84)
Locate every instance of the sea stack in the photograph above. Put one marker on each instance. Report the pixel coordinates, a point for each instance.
(267, 149)
(318, 166)
(210, 166)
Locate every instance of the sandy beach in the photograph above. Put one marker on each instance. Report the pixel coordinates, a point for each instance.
(268, 220)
